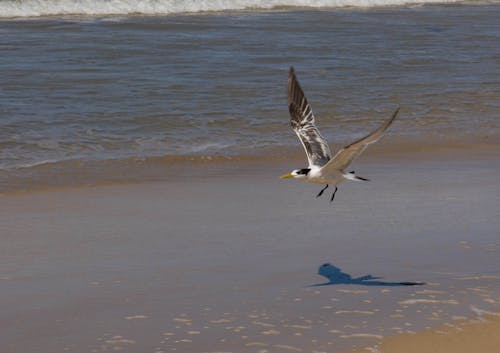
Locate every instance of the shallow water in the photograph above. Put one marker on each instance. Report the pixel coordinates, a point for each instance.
(109, 88)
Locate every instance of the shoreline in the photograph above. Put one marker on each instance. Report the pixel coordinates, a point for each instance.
(80, 173)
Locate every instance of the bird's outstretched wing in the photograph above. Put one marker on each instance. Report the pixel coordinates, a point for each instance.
(302, 121)
(346, 155)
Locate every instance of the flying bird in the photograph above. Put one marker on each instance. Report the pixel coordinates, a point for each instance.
(323, 168)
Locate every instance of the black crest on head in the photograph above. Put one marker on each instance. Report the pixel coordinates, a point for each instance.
(303, 171)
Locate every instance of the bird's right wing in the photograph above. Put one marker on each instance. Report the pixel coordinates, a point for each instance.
(302, 121)
(346, 155)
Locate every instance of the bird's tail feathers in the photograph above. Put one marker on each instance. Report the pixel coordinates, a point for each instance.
(351, 176)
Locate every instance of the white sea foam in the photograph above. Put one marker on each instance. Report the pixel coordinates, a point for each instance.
(37, 8)
(362, 335)
(428, 301)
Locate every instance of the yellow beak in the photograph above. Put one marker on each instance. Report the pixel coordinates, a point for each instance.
(289, 175)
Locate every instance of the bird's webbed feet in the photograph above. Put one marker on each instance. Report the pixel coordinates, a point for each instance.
(322, 190)
(333, 195)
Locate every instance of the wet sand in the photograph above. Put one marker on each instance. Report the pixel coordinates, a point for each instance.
(480, 335)
(228, 262)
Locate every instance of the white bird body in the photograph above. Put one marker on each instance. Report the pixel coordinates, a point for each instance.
(323, 168)
(319, 175)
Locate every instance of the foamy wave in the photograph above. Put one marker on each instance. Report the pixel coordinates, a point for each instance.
(37, 8)
(428, 301)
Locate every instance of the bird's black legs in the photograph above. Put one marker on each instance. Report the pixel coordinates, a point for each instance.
(326, 187)
(321, 192)
(333, 195)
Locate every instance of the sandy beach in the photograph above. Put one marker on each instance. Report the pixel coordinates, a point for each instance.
(470, 336)
(228, 262)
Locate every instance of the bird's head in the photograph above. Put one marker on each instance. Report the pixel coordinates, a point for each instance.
(297, 173)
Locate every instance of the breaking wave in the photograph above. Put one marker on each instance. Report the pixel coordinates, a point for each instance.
(38, 8)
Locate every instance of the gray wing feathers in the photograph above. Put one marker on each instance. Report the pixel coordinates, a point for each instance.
(346, 155)
(302, 121)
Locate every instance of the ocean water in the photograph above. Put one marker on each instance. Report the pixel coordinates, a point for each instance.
(101, 81)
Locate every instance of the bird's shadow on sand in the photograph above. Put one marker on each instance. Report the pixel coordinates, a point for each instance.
(336, 276)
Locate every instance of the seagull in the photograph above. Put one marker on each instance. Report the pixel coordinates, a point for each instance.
(323, 169)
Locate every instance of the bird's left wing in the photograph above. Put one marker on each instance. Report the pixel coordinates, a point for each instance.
(302, 121)
(346, 155)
